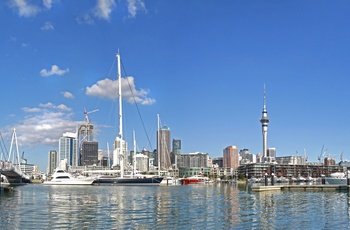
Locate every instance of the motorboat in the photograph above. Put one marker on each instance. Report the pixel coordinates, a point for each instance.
(4, 182)
(194, 180)
(169, 180)
(301, 179)
(61, 177)
(337, 178)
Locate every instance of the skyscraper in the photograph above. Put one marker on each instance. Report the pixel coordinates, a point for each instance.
(89, 153)
(163, 147)
(120, 147)
(176, 151)
(52, 164)
(85, 134)
(67, 148)
(264, 120)
(230, 157)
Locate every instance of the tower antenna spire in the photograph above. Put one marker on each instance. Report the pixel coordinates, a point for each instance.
(264, 97)
(264, 120)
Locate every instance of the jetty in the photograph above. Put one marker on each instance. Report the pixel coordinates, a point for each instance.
(301, 187)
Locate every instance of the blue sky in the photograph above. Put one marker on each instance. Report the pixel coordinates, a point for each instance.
(201, 65)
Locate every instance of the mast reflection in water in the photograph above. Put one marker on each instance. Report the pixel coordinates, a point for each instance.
(215, 206)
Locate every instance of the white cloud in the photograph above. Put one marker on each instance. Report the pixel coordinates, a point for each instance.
(67, 94)
(47, 26)
(48, 3)
(55, 70)
(135, 6)
(104, 8)
(86, 19)
(25, 9)
(43, 125)
(108, 88)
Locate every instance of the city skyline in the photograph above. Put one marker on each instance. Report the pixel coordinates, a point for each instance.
(200, 65)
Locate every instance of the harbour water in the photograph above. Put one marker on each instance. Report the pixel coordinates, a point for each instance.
(215, 206)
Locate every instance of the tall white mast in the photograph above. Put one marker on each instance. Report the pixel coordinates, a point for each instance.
(108, 163)
(121, 154)
(158, 150)
(134, 158)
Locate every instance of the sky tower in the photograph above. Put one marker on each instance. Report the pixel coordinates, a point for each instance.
(264, 122)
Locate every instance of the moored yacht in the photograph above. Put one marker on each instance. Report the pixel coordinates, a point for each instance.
(337, 178)
(121, 179)
(61, 177)
(194, 180)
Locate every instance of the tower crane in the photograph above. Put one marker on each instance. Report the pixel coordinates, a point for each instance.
(86, 115)
(323, 152)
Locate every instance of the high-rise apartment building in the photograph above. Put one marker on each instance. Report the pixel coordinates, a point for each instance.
(120, 147)
(230, 157)
(163, 148)
(176, 151)
(53, 162)
(67, 148)
(89, 153)
(85, 134)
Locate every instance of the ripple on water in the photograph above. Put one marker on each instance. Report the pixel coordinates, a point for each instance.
(176, 207)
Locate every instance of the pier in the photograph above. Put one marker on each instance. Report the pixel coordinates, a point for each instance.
(301, 187)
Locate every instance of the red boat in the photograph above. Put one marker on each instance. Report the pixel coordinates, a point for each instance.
(194, 180)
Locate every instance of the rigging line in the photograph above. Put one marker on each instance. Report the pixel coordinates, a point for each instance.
(138, 110)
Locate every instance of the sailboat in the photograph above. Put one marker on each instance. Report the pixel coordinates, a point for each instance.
(131, 179)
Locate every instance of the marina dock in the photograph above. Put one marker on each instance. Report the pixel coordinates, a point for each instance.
(302, 187)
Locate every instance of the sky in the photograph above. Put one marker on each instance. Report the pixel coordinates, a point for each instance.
(200, 65)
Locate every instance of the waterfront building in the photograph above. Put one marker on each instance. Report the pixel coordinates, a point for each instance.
(193, 160)
(53, 162)
(329, 161)
(104, 162)
(230, 157)
(119, 146)
(259, 170)
(67, 148)
(291, 160)
(163, 147)
(85, 133)
(193, 171)
(89, 153)
(246, 157)
(28, 169)
(271, 155)
(193, 164)
(264, 120)
(176, 151)
(218, 161)
(142, 162)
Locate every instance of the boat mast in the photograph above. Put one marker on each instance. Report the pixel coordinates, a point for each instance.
(121, 155)
(134, 160)
(158, 155)
(108, 163)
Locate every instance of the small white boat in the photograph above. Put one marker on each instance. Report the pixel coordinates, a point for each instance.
(61, 177)
(4, 182)
(301, 179)
(337, 178)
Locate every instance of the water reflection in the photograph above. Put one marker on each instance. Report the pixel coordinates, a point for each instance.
(219, 206)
